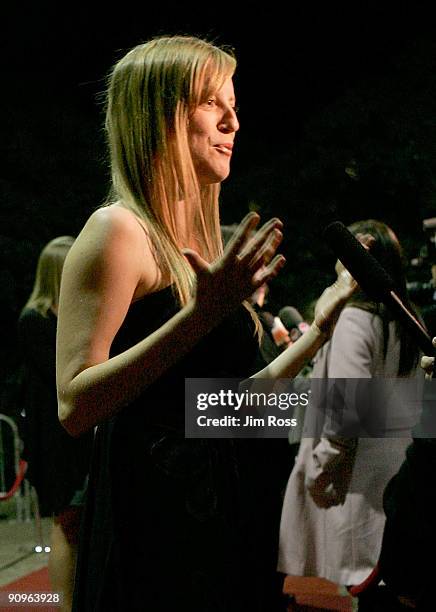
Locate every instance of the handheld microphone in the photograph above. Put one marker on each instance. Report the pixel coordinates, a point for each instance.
(373, 279)
(293, 321)
(279, 333)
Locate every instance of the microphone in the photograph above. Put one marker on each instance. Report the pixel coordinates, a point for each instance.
(373, 279)
(279, 333)
(293, 321)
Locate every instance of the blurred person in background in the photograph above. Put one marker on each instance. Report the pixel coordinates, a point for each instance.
(57, 463)
(332, 519)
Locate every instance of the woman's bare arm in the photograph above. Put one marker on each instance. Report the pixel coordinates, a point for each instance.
(108, 265)
(289, 363)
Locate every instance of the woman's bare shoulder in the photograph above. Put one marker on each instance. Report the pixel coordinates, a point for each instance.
(114, 236)
(115, 219)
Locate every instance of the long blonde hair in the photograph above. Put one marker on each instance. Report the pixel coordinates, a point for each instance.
(47, 283)
(151, 93)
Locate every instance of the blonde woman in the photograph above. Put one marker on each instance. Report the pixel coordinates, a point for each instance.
(149, 299)
(57, 464)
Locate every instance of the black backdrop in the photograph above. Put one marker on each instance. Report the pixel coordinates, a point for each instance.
(337, 122)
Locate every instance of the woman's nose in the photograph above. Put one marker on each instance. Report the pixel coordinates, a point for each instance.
(229, 123)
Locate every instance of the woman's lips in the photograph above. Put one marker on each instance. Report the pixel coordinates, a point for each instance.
(225, 148)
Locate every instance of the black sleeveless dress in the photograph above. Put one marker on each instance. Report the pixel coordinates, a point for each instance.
(174, 523)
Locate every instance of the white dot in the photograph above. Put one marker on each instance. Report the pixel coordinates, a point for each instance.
(38, 549)
(47, 549)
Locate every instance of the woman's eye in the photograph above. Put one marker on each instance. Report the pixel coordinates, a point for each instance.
(211, 102)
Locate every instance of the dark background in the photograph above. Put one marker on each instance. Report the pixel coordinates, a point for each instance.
(337, 112)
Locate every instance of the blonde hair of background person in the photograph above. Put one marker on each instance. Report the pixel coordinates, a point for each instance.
(47, 283)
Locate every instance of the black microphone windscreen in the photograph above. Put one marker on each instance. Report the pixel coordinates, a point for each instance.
(290, 317)
(374, 280)
(364, 267)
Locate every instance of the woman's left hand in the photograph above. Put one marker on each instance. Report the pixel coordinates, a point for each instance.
(332, 300)
(329, 306)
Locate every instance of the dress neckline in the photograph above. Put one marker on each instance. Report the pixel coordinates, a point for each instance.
(152, 294)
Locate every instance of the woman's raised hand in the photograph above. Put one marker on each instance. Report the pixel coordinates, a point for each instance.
(332, 300)
(248, 262)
